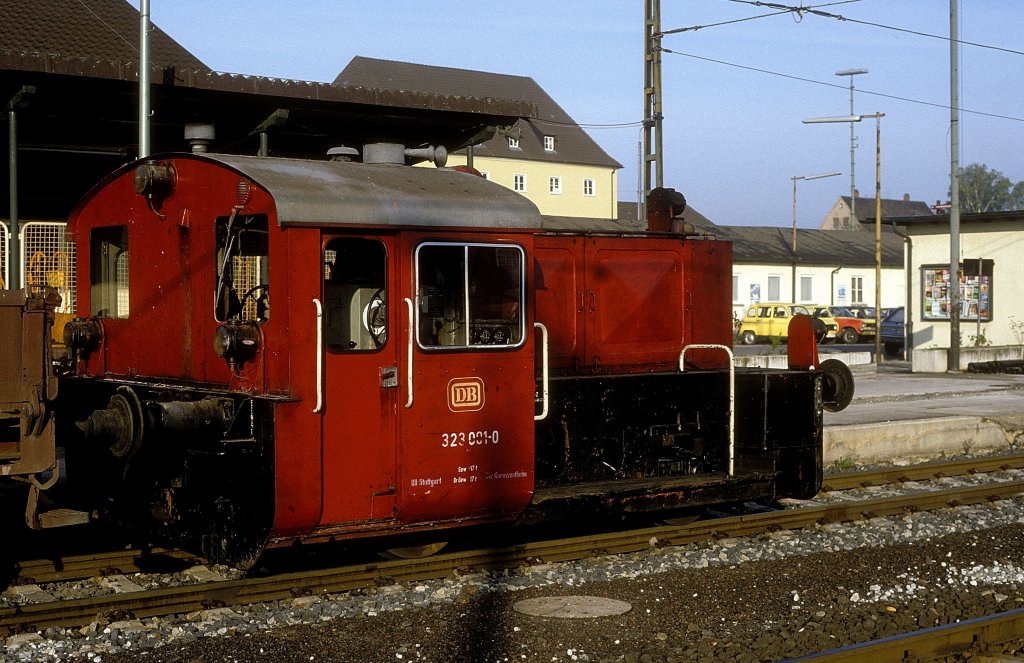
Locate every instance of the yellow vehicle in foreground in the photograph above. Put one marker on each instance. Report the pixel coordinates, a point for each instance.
(769, 320)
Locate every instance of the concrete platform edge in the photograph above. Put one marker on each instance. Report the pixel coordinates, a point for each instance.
(920, 438)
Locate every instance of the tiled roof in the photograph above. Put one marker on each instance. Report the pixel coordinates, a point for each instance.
(891, 207)
(762, 244)
(572, 144)
(92, 30)
(773, 245)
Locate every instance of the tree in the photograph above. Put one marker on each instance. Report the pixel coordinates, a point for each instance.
(984, 190)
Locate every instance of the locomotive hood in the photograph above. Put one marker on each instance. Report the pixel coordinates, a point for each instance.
(311, 192)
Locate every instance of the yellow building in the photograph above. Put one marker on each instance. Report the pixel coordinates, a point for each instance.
(547, 158)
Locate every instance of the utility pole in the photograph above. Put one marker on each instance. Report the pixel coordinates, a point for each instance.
(652, 99)
(953, 359)
(853, 145)
(144, 76)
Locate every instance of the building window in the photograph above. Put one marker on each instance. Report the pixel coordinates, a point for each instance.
(513, 143)
(555, 186)
(807, 288)
(735, 288)
(588, 187)
(774, 288)
(549, 143)
(519, 182)
(857, 289)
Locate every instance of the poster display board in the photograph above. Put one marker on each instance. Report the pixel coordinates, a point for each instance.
(974, 282)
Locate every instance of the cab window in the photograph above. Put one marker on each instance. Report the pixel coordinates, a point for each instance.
(470, 295)
(355, 294)
(108, 295)
(242, 277)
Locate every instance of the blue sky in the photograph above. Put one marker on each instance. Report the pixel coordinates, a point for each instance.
(733, 100)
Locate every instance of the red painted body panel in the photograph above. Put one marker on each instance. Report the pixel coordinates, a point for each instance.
(455, 462)
(360, 421)
(632, 303)
(170, 326)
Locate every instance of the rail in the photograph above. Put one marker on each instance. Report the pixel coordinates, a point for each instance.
(936, 643)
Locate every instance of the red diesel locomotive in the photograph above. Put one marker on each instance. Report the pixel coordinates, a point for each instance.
(277, 350)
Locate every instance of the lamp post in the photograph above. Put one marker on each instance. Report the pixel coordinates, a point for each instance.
(853, 142)
(878, 215)
(793, 247)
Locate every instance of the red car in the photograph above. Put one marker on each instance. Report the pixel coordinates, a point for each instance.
(849, 328)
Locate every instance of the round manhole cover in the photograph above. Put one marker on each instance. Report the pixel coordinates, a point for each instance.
(572, 607)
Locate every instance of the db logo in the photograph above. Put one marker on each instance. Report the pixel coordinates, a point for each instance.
(465, 394)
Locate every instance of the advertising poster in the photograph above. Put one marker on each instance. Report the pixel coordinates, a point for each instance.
(975, 291)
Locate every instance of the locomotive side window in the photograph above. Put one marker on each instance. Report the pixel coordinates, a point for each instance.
(242, 278)
(109, 277)
(355, 294)
(470, 295)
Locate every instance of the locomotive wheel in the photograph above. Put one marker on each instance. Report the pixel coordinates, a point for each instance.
(414, 552)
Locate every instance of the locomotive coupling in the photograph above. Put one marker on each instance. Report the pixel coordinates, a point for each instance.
(126, 421)
(82, 336)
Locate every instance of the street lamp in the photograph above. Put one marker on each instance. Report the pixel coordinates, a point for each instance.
(878, 215)
(853, 142)
(793, 248)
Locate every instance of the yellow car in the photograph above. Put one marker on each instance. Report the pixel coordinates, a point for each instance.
(768, 320)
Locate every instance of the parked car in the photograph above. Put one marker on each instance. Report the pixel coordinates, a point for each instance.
(768, 320)
(867, 314)
(893, 332)
(848, 327)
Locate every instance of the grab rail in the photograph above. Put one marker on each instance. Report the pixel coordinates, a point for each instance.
(544, 371)
(409, 349)
(732, 393)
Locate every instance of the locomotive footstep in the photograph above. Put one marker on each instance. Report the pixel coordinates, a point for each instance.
(414, 552)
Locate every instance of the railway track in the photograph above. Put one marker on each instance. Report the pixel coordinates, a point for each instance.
(178, 600)
(78, 567)
(922, 472)
(974, 638)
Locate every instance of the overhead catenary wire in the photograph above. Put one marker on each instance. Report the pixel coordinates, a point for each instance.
(786, 9)
(804, 79)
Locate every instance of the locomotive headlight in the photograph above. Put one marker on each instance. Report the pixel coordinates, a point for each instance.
(82, 336)
(237, 342)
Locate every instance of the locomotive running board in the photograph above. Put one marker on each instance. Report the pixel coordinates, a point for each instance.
(622, 497)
